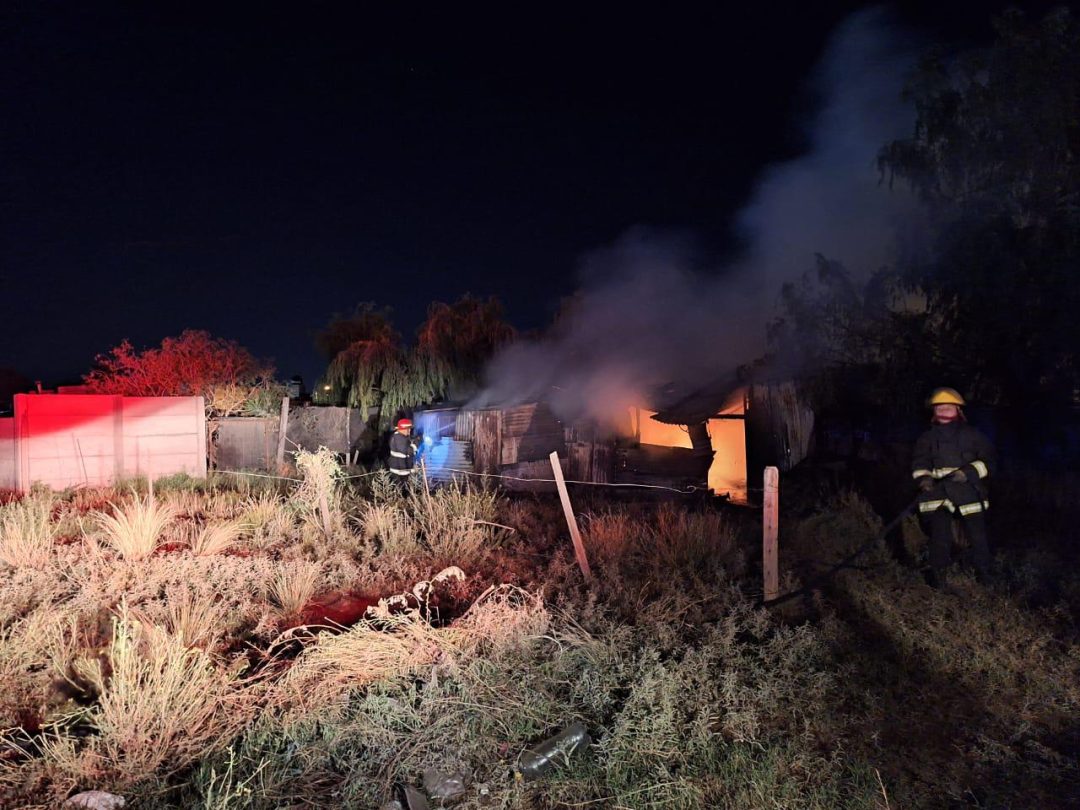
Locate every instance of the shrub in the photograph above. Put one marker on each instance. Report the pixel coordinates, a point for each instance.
(192, 364)
(320, 489)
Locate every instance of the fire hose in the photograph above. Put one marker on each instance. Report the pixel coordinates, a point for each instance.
(846, 562)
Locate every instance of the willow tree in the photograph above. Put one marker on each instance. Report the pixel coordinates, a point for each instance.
(457, 340)
(369, 365)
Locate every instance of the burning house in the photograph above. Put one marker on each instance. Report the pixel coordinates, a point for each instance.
(718, 437)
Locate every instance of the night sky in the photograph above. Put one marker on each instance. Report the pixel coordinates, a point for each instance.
(252, 171)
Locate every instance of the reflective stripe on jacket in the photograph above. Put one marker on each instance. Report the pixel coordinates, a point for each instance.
(402, 453)
(942, 451)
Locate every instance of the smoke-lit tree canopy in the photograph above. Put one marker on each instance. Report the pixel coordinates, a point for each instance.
(371, 366)
(991, 306)
(995, 155)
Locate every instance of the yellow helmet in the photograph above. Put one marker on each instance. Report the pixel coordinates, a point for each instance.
(945, 396)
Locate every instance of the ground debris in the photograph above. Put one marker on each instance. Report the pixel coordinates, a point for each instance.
(415, 799)
(95, 800)
(442, 786)
(540, 759)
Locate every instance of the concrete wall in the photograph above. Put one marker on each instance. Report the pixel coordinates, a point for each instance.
(65, 440)
(7, 453)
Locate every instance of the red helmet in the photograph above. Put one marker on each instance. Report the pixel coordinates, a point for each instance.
(404, 424)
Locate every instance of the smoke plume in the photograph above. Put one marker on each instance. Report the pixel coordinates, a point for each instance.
(651, 310)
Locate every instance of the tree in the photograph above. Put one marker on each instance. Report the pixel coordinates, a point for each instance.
(371, 366)
(457, 340)
(193, 364)
(366, 323)
(857, 347)
(995, 155)
(368, 365)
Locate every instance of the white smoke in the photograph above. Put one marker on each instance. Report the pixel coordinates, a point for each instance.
(648, 313)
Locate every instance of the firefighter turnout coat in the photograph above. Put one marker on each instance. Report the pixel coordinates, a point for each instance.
(940, 452)
(402, 454)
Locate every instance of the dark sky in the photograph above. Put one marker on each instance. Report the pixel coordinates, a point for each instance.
(251, 171)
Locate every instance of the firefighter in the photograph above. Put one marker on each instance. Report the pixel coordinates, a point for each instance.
(950, 464)
(402, 451)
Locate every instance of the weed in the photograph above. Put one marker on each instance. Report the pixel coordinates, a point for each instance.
(391, 526)
(27, 533)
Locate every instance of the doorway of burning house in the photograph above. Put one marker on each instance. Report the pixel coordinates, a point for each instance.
(726, 434)
(750, 427)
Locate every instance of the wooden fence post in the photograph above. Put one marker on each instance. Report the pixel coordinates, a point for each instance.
(771, 523)
(571, 521)
(282, 427)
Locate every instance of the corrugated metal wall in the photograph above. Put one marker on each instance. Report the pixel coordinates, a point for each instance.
(447, 459)
(530, 433)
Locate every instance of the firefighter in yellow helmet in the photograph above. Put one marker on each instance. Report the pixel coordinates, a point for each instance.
(950, 464)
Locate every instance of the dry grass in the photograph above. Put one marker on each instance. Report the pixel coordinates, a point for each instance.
(134, 530)
(364, 654)
(195, 620)
(184, 501)
(695, 698)
(216, 538)
(393, 646)
(392, 527)
(27, 533)
(456, 521)
(162, 705)
(293, 585)
(669, 543)
(263, 512)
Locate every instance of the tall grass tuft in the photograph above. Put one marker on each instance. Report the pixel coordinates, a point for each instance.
(134, 530)
(457, 521)
(293, 586)
(216, 538)
(163, 705)
(195, 620)
(27, 533)
(262, 512)
(392, 527)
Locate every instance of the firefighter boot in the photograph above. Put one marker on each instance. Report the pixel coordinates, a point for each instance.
(975, 529)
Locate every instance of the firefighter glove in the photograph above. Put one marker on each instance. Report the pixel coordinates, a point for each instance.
(958, 477)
